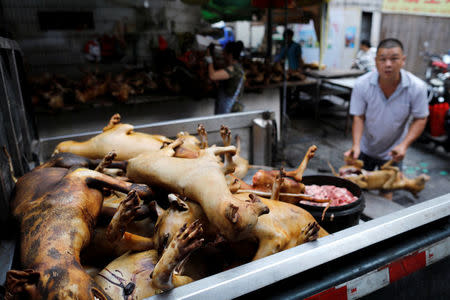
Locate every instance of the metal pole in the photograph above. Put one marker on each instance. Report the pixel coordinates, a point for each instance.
(27, 136)
(284, 117)
(269, 35)
(10, 129)
(323, 31)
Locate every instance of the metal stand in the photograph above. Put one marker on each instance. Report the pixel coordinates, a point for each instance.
(17, 138)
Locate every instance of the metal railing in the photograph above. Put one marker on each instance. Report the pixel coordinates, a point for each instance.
(17, 131)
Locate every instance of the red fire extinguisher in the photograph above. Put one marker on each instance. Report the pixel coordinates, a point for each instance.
(437, 118)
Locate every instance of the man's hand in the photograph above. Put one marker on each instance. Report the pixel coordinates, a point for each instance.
(354, 152)
(398, 152)
(415, 130)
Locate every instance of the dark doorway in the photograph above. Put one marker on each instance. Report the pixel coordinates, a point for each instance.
(366, 26)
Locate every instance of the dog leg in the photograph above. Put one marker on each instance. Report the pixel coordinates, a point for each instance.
(229, 166)
(360, 180)
(203, 136)
(310, 232)
(298, 174)
(274, 243)
(123, 216)
(98, 180)
(276, 187)
(387, 165)
(99, 247)
(187, 240)
(393, 172)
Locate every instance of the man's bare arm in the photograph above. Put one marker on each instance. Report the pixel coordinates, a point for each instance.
(217, 74)
(415, 130)
(357, 131)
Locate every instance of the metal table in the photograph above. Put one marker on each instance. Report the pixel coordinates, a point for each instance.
(290, 86)
(346, 83)
(327, 74)
(334, 73)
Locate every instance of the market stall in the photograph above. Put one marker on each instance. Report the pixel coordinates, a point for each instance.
(413, 237)
(315, 250)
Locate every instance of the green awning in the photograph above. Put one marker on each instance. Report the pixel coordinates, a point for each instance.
(227, 10)
(235, 10)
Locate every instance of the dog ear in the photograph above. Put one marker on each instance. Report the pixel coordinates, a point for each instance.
(21, 284)
(156, 211)
(177, 202)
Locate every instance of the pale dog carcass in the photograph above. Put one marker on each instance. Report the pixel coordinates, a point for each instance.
(388, 177)
(118, 137)
(202, 180)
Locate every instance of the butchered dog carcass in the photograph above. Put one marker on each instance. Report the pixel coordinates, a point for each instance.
(292, 189)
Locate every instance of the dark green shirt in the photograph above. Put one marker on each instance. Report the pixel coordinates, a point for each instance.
(230, 85)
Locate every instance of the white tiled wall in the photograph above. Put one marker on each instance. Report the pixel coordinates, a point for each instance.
(364, 5)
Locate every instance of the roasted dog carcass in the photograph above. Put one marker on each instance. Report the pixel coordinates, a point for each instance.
(116, 137)
(264, 180)
(190, 147)
(142, 274)
(57, 209)
(388, 177)
(235, 161)
(284, 227)
(201, 180)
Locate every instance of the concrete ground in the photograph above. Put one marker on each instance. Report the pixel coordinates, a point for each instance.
(329, 136)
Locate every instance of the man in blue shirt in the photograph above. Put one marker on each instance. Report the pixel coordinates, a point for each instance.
(389, 108)
(292, 50)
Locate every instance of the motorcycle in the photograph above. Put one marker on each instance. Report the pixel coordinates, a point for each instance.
(437, 77)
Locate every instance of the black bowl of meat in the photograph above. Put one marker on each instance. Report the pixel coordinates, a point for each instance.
(347, 201)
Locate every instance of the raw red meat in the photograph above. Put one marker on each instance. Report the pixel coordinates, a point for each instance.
(339, 196)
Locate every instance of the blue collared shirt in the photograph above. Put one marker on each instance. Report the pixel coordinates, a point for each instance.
(386, 120)
(294, 52)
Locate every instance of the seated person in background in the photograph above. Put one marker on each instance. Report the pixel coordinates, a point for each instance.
(365, 58)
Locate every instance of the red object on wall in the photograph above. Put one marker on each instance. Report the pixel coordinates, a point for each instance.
(162, 43)
(437, 118)
(273, 3)
(107, 43)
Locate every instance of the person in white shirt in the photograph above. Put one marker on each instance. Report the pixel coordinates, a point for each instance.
(365, 58)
